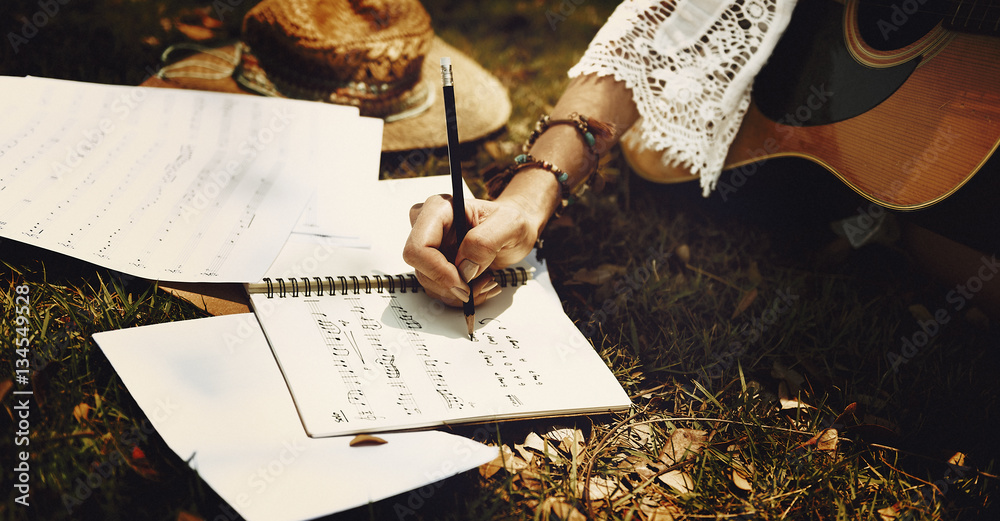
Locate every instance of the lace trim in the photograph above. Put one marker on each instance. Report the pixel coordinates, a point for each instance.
(690, 65)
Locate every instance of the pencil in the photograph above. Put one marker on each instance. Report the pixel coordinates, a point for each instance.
(459, 221)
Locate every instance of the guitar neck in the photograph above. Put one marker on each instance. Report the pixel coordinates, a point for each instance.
(974, 16)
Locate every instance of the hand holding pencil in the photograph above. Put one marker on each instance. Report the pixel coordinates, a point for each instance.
(452, 245)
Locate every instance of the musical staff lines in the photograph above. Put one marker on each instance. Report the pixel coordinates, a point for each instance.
(384, 358)
(334, 339)
(432, 366)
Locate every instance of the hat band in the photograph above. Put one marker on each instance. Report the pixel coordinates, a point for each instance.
(372, 100)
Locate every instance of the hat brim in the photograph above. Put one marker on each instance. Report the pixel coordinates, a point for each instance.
(481, 101)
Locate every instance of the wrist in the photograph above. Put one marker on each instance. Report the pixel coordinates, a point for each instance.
(536, 194)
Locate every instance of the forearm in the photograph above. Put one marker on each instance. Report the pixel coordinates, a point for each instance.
(536, 190)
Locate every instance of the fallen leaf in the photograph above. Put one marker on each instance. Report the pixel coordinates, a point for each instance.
(889, 513)
(683, 444)
(141, 464)
(534, 441)
(683, 253)
(828, 440)
(5, 388)
(602, 488)
(742, 472)
(957, 459)
(753, 273)
(562, 509)
(662, 513)
(187, 516)
(524, 452)
(530, 479)
(787, 401)
(506, 459)
(678, 480)
(638, 435)
(745, 302)
(195, 32)
(365, 440)
(81, 412)
(596, 276)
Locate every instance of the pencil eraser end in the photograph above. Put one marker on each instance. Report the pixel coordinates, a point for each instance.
(445, 61)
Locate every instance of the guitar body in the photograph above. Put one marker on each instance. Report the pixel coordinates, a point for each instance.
(900, 108)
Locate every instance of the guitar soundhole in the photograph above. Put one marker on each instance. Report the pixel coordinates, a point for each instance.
(813, 79)
(887, 25)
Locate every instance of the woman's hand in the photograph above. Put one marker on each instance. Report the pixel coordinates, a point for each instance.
(501, 233)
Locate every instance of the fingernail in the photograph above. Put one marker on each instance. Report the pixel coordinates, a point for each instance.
(469, 269)
(460, 293)
(494, 292)
(489, 286)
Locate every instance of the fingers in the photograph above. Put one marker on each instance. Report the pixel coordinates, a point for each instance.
(497, 238)
(431, 224)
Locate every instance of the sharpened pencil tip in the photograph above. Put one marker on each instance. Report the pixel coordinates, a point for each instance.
(470, 321)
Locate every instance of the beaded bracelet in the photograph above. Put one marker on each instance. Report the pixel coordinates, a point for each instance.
(589, 129)
(581, 123)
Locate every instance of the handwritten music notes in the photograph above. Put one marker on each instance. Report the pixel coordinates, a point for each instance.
(377, 361)
(160, 183)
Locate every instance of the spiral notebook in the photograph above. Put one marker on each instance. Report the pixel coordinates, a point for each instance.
(363, 348)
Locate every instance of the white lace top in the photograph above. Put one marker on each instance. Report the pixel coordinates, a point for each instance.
(690, 65)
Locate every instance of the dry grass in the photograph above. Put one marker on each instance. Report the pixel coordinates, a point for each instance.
(755, 349)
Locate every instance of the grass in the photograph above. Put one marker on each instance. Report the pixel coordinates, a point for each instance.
(716, 317)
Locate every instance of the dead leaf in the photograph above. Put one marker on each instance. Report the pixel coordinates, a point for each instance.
(365, 440)
(596, 276)
(562, 509)
(141, 464)
(5, 388)
(828, 440)
(957, 459)
(195, 32)
(683, 253)
(678, 480)
(683, 444)
(745, 302)
(602, 488)
(187, 516)
(81, 412)
(531, 479)
(743, 472)
(787, 401)
(889, 513)
(638, 435)
(506, 459)
(523, 451)
(753, 273)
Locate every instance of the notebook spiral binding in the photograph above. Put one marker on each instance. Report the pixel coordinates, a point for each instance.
(293, 287)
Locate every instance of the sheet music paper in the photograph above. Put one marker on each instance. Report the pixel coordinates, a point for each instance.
(164, 184)
(212, 391)
(378, 361)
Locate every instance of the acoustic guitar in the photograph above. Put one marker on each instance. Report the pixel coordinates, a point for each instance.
(900, 99)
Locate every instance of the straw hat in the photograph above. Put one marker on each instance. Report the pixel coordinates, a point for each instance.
(380, 56)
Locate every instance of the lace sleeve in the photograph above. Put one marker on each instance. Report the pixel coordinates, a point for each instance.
(690, 65)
